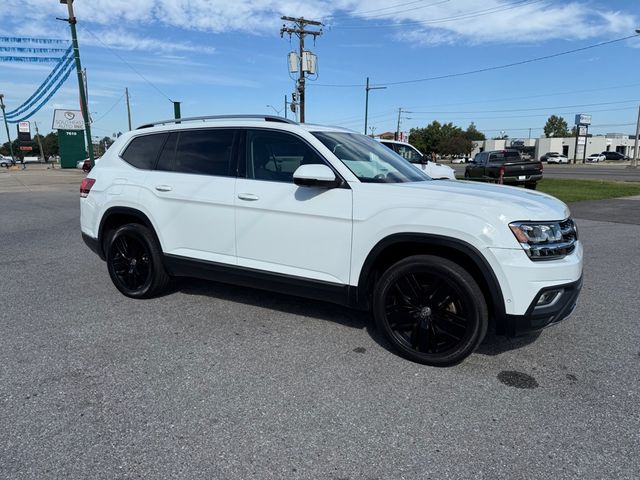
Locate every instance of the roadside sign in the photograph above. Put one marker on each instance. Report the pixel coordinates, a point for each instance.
(24, 132)
(583, 119)
(68, 120)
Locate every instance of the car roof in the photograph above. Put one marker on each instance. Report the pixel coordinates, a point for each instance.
(240, 120)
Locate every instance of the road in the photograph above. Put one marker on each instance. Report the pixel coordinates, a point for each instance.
(606, 171)
(214, 381)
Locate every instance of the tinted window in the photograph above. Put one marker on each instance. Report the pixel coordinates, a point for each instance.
(510, 156)
(204, 152)
(275, 156)
(409, 153)
(165, 162)
(143, 151)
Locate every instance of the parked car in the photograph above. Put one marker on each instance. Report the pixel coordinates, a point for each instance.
(85, 164)
(5, 162)
(553, 155)
(459, 160)
(557, 158)
(504, 166)
(615, 156)
(415, 156)
(596, 158)
(330, 214)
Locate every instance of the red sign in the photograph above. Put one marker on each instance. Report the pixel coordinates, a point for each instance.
(26, 149)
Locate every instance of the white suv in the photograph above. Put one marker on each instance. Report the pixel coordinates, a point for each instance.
(327, 213)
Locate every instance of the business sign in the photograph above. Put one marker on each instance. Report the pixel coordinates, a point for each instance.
(582, 130)
(68, 120)
(583, 119)
(24, 132)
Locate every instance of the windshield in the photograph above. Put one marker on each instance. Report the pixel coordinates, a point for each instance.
(369, 160)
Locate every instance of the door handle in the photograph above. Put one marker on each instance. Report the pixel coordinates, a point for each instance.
(250, 197)
(164, 188)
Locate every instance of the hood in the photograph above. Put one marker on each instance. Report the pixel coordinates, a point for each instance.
(486, 200)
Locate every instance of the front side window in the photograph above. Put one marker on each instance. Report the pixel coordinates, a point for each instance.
(369, 160)
(142, 151)
(409, 153)
(274, 156)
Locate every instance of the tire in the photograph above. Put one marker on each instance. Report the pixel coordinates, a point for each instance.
(134, 261)
(531, 186)
(431, 310)
(467, 176)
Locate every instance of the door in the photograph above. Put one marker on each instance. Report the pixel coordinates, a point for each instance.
(191, 194)
(284, 228)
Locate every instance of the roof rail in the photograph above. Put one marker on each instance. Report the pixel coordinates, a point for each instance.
(266, 118)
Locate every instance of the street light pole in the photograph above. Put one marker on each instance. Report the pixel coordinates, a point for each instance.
(83, 98)
(6, 125)
(366, 103)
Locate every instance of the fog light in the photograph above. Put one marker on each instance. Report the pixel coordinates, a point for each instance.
(549, 298)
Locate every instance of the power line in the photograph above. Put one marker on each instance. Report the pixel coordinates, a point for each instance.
(530, 109)
(524, 97)
(486, 69)
(127, 63)
(110, 109)
(364, 12)
(463, 16)
(400, 11)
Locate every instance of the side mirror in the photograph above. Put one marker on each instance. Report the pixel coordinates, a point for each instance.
(315, 176)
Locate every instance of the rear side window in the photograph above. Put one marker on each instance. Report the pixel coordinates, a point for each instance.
(143, 151)
(204, 152)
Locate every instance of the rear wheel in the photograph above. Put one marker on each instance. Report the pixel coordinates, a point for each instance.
(531, 186)
(431, 310)
(134, 261)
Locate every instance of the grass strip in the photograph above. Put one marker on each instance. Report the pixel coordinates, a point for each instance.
(578, 190)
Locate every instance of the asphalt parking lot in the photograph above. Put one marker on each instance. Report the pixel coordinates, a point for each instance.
(214, 381)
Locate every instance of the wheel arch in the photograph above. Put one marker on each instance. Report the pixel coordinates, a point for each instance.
(115, 217)
(395, 247)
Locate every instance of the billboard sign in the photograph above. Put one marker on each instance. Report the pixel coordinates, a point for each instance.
(24, 132)
(583, 119)
(68, 120)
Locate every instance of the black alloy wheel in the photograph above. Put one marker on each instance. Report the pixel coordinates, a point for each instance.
(431, 310)
(134, 262)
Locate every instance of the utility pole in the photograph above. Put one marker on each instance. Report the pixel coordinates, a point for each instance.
(126, 94)
(366, 103)
(286, 105)
(6, 125)
(400, 111)
(634, 163)
(39, 141)
(83, 99)
(300, 31)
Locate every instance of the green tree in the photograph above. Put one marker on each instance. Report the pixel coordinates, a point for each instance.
(426, 139)
(455, 145)
(556, 127)
(473, 133)
(50, 144)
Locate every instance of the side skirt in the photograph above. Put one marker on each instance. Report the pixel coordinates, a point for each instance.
(247, 277)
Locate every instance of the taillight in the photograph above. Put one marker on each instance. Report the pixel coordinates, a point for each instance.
(540, 167)
(85, 186)
(501, 171)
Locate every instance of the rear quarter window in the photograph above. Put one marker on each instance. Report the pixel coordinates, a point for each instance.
(143, 151)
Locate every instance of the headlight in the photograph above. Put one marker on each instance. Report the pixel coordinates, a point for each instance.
(546, 240)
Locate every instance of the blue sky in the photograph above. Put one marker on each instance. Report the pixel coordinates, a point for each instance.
(220, 57)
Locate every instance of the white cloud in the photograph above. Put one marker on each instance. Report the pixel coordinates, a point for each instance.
(440, 21)
(122, 40)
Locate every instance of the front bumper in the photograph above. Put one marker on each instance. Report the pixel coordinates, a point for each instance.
(538, 317)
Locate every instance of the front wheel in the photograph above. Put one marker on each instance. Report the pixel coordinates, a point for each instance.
(431, 310)
(134, 261)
